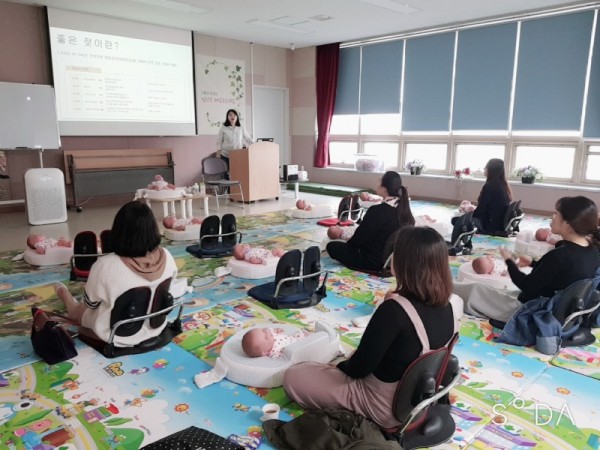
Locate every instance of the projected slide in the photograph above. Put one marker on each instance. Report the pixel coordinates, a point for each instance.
(115, 78)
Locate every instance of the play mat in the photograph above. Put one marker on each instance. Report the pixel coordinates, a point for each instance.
(509, 397)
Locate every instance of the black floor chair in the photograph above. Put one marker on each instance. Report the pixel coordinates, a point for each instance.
(461, 242)
(130, 312)
(217, 237)
(421, 403)
(576, 310)
(86, 252)
(512, 219)
(290, 289)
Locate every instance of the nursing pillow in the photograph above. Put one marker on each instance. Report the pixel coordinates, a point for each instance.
(53, 256)
(441, 227)
(244, 269)
(528, 245)
(466, 273)
(265, 372)
(315, 212)
(179, 287)
(191, 233)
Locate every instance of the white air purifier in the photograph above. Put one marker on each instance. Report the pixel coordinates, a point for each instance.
(45, 195)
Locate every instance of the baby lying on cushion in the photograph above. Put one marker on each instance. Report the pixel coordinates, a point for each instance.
(269, 341)
(41, 243)
(488, 265)
(546, 235)
(180, 224)
(304, 205)
(343, 233)
(255, 255)
(159, 184)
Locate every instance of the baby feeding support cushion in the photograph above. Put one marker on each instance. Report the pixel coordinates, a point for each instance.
(320, 346)
(467, 274)
(315, 212)
(528, 245)
(191, 233)
(52, 257)
(244, 269)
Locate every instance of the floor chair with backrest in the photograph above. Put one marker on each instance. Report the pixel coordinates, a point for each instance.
(218, 237)
(290, 289)
(86, 251)
(134, 309)
(421, 403)
(461, 241)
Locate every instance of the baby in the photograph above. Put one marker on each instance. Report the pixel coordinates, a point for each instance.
(159, 184)
(423, 220)
(546, 235)
(180, 224)
(343, 233)
(466, 206)
(303, 204)
(368, 197)
(255, 255)
(41, 243)
(488, 265)
(268, 342)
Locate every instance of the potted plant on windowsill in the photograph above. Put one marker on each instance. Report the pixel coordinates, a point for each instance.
(528, 174)
(415, 167)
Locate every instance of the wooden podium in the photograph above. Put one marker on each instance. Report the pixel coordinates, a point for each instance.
(257, 169)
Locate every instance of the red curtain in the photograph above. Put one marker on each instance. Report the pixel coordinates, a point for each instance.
(328, 57)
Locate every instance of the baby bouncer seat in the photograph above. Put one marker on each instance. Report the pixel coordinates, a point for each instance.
(290, 289)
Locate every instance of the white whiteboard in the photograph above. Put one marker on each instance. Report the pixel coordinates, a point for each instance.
(28, 117)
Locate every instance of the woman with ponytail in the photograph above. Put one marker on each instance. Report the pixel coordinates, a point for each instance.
(575, 258)
(364, 250)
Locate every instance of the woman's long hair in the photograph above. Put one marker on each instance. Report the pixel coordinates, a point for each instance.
(392, 182)
(496, 175)
(581, 214)
(237, 118)
(420, 264)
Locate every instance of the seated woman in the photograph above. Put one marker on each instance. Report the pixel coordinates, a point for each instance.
(494, 198)
(367, 381)
(577, 258)
(364, 250)
(138, 260)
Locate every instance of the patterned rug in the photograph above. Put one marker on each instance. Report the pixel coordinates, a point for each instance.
(509, 397)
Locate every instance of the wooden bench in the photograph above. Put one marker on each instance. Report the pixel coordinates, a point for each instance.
(94, 173)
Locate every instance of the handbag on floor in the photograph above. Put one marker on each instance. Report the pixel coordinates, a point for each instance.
(50, 337)
(193, 438)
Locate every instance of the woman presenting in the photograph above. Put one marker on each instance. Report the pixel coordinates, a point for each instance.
(232, 135)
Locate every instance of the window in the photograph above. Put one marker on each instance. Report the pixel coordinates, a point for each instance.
(386, 151)
(592, 171)
(380, 124)
(342, 153)
(344, 124)
(554, 162)
(476, 156)
(433, 155)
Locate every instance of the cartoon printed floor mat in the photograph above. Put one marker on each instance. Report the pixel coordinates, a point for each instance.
(91, 402)
(215, 309)
(583, 360)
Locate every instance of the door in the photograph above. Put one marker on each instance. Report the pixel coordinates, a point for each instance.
(270, 111)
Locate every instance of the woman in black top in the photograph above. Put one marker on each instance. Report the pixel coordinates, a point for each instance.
(366, 382)
(575, 258)
(364, 250)
(494, 198)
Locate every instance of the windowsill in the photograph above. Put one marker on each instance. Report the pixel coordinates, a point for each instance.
(536, 185)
